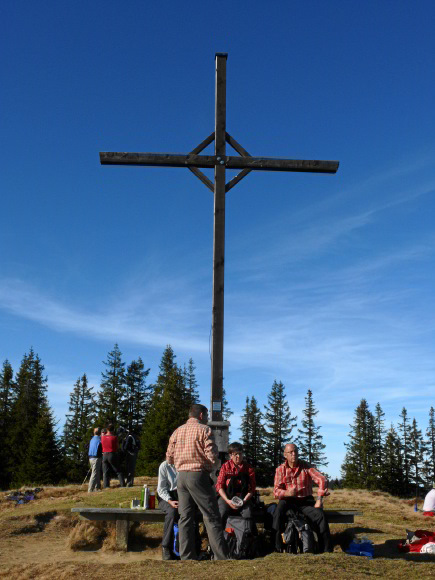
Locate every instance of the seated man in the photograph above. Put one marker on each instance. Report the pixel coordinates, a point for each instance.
(294, 488)
(168, 503)
(236, 479)
(429, 503)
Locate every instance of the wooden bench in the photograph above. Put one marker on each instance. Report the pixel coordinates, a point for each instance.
(123, 517)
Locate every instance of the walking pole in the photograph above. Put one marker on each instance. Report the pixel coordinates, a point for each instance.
(86, 477)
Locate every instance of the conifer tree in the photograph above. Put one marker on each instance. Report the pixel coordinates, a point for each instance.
(226, 411)
(137, 396)
(279, 425)
(253, 437)
(168, 410)
(43, 463)
(191, 382)
(78, 429)
(379, 436)
(31, 415)
(430, 443)
(8, 395)
(357, 468)
(391, 477)
(111, 397)
(417, 451)
(310, 441)
(405, 433)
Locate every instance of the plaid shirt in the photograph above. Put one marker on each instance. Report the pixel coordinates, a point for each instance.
(192, 447)
(229, 468)
(301, 478)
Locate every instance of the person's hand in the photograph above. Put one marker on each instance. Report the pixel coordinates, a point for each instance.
(318, 504)
(173, 503)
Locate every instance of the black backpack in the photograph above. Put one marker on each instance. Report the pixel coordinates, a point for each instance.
(298, 536)
(241, 538)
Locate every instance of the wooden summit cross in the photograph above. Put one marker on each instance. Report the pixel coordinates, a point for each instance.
(220, 161)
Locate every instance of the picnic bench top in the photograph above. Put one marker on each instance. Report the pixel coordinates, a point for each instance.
(108, 510)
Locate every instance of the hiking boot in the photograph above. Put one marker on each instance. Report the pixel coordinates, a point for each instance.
(166, 553)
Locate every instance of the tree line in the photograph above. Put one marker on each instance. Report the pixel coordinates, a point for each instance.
(399, 460)
(31, 451)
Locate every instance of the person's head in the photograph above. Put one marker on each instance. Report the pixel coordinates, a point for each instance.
(199, 412)
(291, 454)
(97, 431)
(104, 431)
(235, 451)
(110, 428)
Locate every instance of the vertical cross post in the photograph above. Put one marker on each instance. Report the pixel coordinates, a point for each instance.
(217, 355)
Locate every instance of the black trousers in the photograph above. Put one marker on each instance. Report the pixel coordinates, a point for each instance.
(315, 518)
(171, 517)
(224, 509)
(110, 461)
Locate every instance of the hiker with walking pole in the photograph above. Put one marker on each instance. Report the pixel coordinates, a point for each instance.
(95, 454)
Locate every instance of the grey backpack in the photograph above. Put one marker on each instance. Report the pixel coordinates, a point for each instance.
(298, 534)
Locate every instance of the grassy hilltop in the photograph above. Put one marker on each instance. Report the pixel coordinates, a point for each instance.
(42, 539)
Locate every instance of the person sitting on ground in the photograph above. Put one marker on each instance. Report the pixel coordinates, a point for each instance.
(294, 488)
(236, 479)
(110, 446)
(168, 503)
(95, 458)
(429, 503)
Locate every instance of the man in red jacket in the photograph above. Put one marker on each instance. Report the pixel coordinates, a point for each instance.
(110, 447)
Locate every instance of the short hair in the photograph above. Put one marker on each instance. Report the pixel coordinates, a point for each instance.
(110, 427)
(103, 431)
(235, 447)
(196, 410)
(97, 431)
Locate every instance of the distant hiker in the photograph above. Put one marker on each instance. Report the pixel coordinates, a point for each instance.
(193, 451)
(110, 447)
(130, 448)
(168, 503)
(95, 454)
(429, 503)
(236, 479)
(294, 488)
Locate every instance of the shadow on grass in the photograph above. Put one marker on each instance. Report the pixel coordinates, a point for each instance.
(38, 525)
(390, 550)
(345, 537)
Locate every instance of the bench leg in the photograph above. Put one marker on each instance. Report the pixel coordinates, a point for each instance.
(122, 528)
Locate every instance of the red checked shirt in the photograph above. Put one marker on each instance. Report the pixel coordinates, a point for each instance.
(300, 478)
(229, 468)
(192, 447)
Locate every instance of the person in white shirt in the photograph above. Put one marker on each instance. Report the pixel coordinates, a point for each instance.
(429, 501)
(168, 503)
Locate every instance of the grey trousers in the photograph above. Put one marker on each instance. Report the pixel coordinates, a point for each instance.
(196, 487)
(95, 480)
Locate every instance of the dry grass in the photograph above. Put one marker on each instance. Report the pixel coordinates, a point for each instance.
(43, 540)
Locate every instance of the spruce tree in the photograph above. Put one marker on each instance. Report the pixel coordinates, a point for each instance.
(78, 429)
(405, 433)
(169, 408)
(357, 468)
(8, 396)
(111, 398)
(31, 415)
(392, 478)
(430, 443)
(309, 441)
(417, 453)
(137, 396)
(279, 425)
(253, 438)
(379, 436)
(191, 382)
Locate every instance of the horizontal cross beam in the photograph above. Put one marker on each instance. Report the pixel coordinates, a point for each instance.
(180, 160)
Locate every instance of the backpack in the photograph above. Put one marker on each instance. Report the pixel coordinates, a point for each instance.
(130, 444)
(238, 484)
(298, 535)
(241, 539)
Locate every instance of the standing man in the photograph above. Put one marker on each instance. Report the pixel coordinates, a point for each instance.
(294, 488)
(110, 446)
(130, 447)
(95, 457)
(193, 452)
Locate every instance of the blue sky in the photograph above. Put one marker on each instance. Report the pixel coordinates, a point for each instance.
(329, 278)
